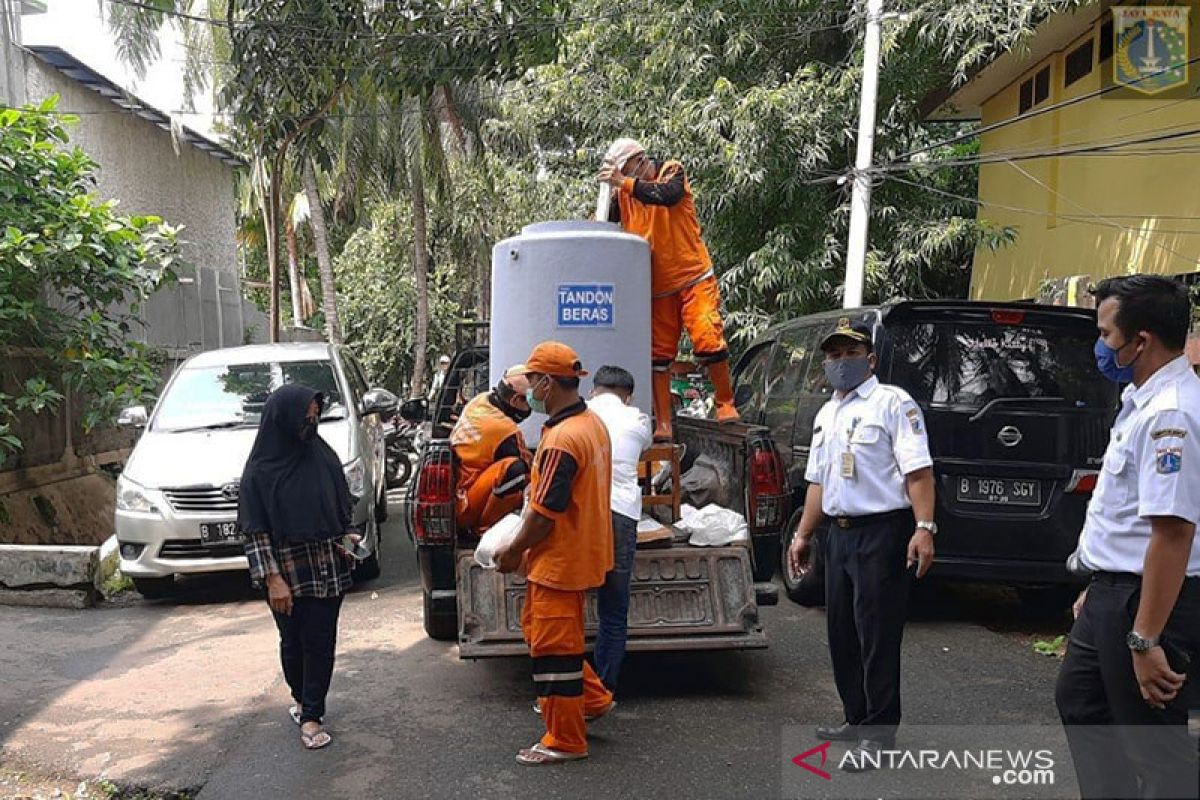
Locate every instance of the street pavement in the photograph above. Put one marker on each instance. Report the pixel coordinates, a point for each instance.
(186, 694)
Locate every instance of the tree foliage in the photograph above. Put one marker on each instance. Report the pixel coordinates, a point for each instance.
(73, 273)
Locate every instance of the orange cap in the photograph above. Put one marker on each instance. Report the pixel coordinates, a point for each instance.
(555, 358)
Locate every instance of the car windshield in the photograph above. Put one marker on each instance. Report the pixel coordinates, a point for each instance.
(206, 398)
(970, 365)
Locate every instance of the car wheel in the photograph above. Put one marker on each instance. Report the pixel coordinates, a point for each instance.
(155, 588)
(1047, 602)
(807, 589)
(440, 626)
(369, 569)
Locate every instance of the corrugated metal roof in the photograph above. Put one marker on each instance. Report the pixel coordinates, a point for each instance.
(81, 73)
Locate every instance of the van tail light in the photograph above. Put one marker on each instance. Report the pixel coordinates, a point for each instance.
(767, 501)
(1083, 481)
(433, 513)
(1007, 316)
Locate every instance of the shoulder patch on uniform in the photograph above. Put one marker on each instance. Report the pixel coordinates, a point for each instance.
(914, 419)
(1168, 460)
(1168, 433)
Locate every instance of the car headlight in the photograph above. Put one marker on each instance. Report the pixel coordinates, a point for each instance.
(131, 497)
(356, 477)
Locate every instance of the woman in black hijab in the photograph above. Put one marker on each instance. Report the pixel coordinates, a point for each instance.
(293, 508)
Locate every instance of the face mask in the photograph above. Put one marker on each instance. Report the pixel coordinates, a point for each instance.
(847, 373)
(1107, 363)
(308, 430)
(535, 405)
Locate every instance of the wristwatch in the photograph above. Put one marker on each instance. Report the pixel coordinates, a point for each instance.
(1140, 644)
(929, 526)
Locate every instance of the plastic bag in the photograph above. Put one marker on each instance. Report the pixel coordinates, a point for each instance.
(713, 526)
(496, 538)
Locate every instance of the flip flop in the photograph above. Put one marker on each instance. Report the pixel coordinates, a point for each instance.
(315, 741)
(539, 755)
(294, 713)
(537, 709)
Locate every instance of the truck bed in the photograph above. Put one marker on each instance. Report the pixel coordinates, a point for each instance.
(681, 598)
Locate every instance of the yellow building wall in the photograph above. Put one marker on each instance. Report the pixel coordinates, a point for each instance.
(1097, 215)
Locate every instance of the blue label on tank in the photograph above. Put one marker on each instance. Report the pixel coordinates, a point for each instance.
(585, 305)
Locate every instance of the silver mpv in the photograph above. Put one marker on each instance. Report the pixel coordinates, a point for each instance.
(177, 496)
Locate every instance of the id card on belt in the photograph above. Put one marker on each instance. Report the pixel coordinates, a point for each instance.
(847, 464)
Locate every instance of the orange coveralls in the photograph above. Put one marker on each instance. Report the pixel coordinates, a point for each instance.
(493, 463)
(572, 479)
(682, 284)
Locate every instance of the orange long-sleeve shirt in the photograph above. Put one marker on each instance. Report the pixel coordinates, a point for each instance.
(663, 212)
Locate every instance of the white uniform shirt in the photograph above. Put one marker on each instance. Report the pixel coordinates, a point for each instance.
(629, 431)
(1151, 469)
(883, 429)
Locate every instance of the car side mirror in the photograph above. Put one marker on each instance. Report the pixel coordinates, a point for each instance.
(379, 401)
(415, 410)
(133, 417)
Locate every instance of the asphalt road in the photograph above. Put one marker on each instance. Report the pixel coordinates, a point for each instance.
(186, 694)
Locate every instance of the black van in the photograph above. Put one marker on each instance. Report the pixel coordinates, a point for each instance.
(1018, 419)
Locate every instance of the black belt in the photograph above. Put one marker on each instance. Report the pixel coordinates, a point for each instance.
(846, 523)
(1190, 583)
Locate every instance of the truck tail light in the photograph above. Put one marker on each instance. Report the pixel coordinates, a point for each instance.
(1007, 316)
(1083, 481)
(768, 498)
(433, 513)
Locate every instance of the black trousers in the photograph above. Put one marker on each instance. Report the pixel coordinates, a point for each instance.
(1121, 746)
(307, 641)
(866, 602)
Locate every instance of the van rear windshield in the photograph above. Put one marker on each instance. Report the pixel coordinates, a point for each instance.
(966, 364)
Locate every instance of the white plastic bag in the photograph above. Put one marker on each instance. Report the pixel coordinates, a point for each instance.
(713, 526)
(496, 538)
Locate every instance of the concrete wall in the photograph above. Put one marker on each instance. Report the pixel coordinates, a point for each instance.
(140, 168)
(12, 72)
(1097, 215)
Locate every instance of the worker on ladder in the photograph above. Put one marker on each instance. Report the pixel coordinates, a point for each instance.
(655, 202)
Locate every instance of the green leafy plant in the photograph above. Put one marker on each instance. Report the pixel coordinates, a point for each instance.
(73, 274)
(1050, 647)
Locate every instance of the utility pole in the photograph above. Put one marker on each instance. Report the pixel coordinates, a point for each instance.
(860, 201)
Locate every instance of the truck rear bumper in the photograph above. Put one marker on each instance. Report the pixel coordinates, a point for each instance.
(682, 598)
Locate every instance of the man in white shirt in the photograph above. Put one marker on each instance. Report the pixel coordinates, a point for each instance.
(1131, 673)
(630, 432)
(869, 470)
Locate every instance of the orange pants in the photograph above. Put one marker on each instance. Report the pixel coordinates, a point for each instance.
(495, 492)
(698, 308)
(567, 686)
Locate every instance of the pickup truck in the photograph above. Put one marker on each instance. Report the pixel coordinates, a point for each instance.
(682, 597)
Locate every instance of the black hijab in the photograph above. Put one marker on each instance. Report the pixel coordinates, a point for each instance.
(293, 487)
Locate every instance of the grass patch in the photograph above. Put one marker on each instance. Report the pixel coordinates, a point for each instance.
(112, 580)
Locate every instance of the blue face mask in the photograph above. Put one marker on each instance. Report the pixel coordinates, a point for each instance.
(1106, 362)
(845, 374)
(535, 405)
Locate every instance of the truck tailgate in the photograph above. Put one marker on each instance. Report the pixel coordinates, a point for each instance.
(681, 598)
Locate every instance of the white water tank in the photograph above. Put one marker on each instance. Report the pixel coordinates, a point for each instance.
(583, 283)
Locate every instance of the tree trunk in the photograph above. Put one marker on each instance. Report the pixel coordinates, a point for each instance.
(272, 230)
(416, 185)
(316, 216)
(293, 252)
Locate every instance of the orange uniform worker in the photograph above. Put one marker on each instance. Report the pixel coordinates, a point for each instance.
(493, 461)
(566, 540)
(655, 202)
